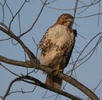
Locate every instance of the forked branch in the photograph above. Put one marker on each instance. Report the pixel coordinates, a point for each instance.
(34, 63)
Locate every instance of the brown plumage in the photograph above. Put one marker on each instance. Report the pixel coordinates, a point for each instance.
(56, 48)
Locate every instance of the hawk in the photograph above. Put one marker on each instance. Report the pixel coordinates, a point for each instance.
(56, 48)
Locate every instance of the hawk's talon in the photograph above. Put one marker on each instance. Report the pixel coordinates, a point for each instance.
(56, 71)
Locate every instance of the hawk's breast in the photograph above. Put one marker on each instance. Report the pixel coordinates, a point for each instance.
(55, 43)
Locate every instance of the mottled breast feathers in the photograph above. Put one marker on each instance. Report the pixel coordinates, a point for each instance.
(57, 42)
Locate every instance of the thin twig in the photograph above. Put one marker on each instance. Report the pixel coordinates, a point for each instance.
(35, 20)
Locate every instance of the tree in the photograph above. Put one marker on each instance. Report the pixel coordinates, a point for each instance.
(24, 19)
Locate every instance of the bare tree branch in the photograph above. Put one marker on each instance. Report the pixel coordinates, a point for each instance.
(16, 14)
(99, 40)
(35, 20)
(72, 81)
(92, 15)
(34, 81)
(80, 7)
(15, 62)
(11, 34)
(48, 70)
(34, 62)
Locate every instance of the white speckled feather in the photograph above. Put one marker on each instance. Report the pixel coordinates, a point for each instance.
(59, 35)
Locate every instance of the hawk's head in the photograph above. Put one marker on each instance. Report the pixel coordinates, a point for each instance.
(66, 20)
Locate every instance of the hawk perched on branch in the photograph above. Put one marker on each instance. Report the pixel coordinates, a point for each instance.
(56, 48)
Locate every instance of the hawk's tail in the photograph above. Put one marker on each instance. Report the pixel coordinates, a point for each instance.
(53, 81)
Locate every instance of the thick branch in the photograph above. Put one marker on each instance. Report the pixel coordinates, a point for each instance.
(34, 62)
(11, 34)
(35, 81)
(65, 77)
(73, 82)
(26, 64)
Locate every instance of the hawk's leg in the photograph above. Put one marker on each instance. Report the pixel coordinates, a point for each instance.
(57, 70)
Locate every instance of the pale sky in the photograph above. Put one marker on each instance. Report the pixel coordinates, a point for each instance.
(89, 73)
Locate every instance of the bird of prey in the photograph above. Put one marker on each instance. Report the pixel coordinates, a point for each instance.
(56, 48)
